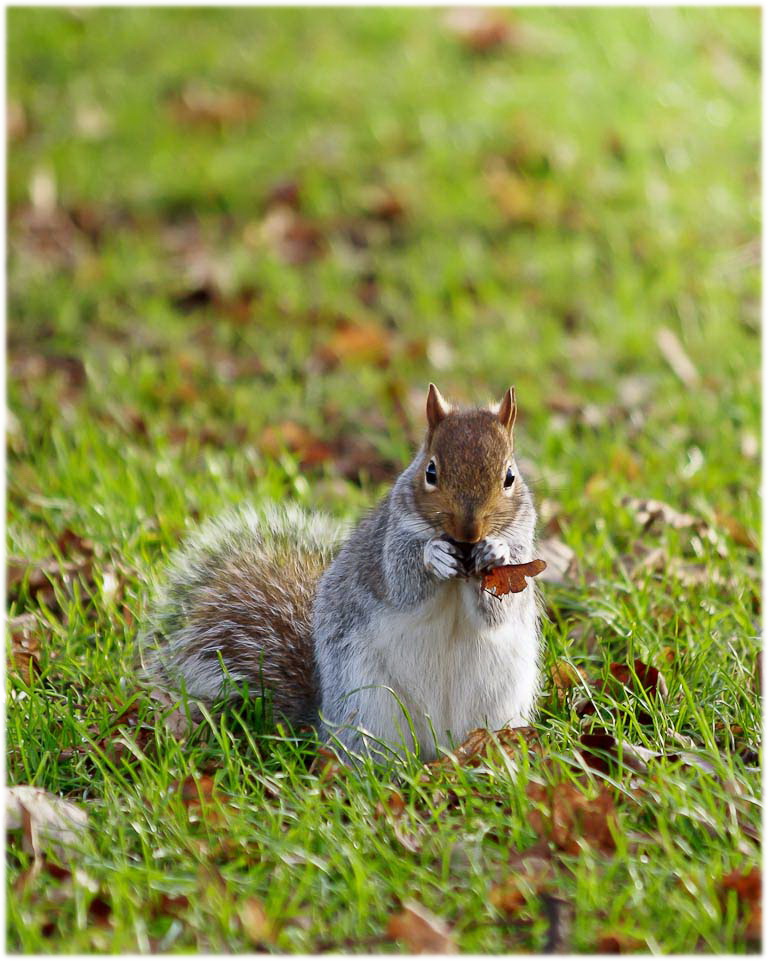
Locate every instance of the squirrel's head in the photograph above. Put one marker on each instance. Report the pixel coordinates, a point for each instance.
(467, 483)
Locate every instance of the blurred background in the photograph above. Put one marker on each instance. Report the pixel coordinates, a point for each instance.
(242, 241)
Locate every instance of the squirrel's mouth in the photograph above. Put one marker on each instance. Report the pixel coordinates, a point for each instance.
(465, 552)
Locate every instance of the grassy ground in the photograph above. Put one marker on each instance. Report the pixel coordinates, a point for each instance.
(544, 212)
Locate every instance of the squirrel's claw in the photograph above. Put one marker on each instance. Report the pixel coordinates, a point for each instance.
(441, 560)
(490, 553)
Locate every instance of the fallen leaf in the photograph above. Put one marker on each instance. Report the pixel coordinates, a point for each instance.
(299, 440)
(325, 765)
(255, 923)
(291, 237)
(738, 532)
(532, 874)
(195, 791)
(172, 905)
(16, 123)
(748, 887)
(284, 193)
(393, 806)
(564, 676)
(24, 656)
(200, 105)
(616, 942)
(44, 819)
(71, 544)
(481, 745)
(100, 911)
(511, 578)
(479, 30)
(570, 817)
(355, 343)
(656, 514)
(673, 352)
(385, 204)
(420, 931)
(633, 756)
(650, 679)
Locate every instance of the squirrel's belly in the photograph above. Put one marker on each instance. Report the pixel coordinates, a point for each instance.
(453, 672)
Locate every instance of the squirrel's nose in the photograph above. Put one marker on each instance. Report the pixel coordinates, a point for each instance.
(469, 531)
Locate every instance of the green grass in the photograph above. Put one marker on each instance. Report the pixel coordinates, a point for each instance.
(564, 199)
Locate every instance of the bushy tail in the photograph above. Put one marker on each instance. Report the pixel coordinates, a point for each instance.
(239, 594)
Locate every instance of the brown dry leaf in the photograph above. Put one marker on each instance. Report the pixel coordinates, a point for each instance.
(509, 896)
(299, 440)
(420, 931)
(255, 923)
(738, 532)
(673, 352)
(24, 656)
(512, 194)
(196, 791)
(570, 817)
(172, 905)
(100, 911)
(632, 755)
(650, 679)
(291, 237)
(385, 204)
(325, 765)
(73, 545)
(583, 414)
(284, 193)
(481, 744)
(479, 30)
(748, 887)
(532, 873)
(363, 343)
(40, 579)
(616, 942)
(16, 123)
(178, 720)
(393, 806)
(355, 457)
(43, 818)
(511, 578)
(199, 105)
(564, 676)
(653, 514)
(66, 372)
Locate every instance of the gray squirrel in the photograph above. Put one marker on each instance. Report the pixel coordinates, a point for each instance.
(384, 639)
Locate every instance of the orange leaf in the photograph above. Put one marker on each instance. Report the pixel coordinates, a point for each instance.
(511, 578)
(420, 931)
(569, 816)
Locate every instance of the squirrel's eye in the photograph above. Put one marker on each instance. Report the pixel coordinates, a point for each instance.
(509, 480)
(430, 475)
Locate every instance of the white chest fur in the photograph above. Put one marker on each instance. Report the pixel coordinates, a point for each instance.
(449, 668)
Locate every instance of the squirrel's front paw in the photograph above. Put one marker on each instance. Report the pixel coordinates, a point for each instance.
(442, 559)
(490, 553)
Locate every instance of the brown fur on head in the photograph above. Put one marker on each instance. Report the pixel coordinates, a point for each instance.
(472, 451)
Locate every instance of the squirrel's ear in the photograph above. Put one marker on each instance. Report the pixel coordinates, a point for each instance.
(508, 410)
(437, 409)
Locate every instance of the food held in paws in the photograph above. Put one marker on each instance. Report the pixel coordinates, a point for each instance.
(511, 578)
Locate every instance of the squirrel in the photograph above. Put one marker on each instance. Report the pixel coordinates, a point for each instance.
(383, 639)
